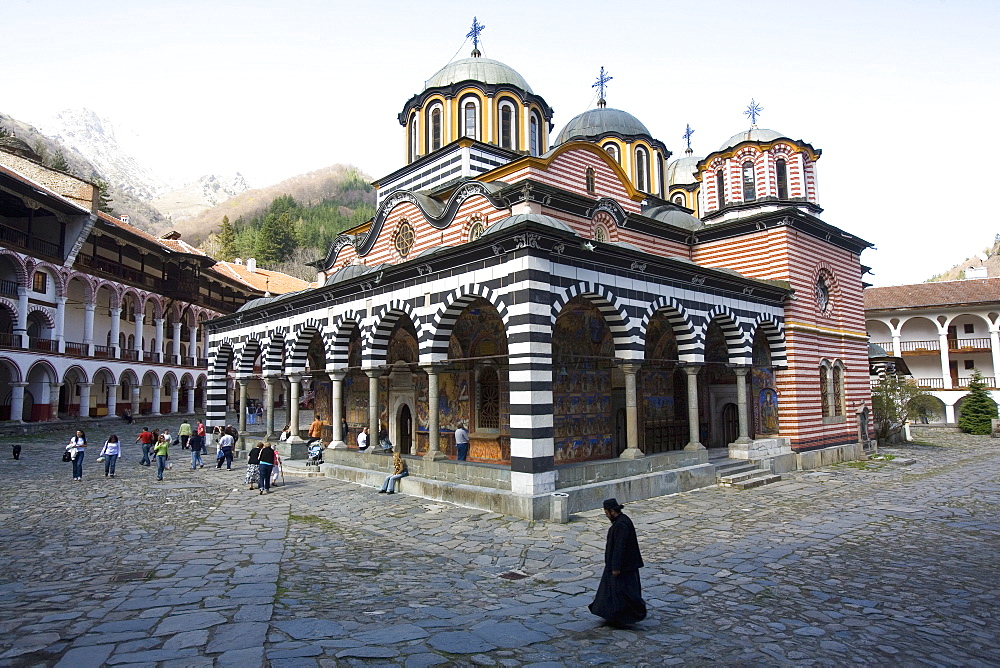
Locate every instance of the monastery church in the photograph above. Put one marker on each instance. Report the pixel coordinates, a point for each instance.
(606, 320)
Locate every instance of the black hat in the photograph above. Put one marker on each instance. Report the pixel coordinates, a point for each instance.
(612, 504)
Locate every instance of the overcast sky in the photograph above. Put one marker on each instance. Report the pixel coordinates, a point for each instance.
(896, 94)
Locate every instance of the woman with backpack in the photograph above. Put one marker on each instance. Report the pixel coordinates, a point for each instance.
(110, 452)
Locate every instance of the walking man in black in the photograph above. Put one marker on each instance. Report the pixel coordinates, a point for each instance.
(619, 596)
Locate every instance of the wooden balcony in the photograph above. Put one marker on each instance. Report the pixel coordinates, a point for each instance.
(919, 347)
(40, 345)
(74, 348)
(961, 384)
(969, 345)
(11, 236)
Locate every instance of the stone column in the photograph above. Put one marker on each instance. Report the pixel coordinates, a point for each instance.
(135, 402)
(190, 399)
(337, 409)
(54, 401)
(176, 352)
(741, 404)
(116, 314)
(433, 416)
(61, 324)
(137, 346)
(293, 406)
(692, 390)
(88, 328)
(995, 354)
(897, 345)
(269, 381)
(158, 350)
(85, 399)
(193, 343)
(155, 409)
(21, 327)
(373, 426)
(113, 399)
(244, 383)
(945, 367)
(17, 401)
(631, 414)
(174, 398)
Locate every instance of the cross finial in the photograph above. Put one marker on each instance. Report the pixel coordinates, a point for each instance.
(687, 136)
(601, 84)
(753, 111)
(477, 28)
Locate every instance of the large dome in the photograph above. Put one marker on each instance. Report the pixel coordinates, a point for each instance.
(753, 134)
(477, 69)
(600, 122)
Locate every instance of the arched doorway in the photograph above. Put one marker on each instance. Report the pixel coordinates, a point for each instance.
(404, 430)
(662, 387)
(730, 423)
(719, 381)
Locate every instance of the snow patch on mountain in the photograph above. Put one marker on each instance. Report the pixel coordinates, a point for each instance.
(193, 198)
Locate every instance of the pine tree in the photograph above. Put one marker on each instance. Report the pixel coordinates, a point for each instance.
(275, 239)
(978, 409)
(104, 201)
(227, 240)
(59, 162)
(4, 132)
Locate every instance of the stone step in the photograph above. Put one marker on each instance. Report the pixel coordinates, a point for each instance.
(758, 481)
(732, 468)
(730, 479)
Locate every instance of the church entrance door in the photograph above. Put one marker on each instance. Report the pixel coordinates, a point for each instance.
(404, 430)
(730, 423)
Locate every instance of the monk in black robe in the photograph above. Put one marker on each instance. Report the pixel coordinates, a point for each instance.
(619, 596)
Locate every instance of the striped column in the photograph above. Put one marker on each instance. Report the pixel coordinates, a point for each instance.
(529, 342)
(215, 395)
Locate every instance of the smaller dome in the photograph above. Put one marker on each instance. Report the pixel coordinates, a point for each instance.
(681, 172)
(349, 272)
(599, 122)
(671, 215)
(477, 69)
(753, 134)
(522, 217)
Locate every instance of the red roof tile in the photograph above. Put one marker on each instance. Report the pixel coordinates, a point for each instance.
(942, 293)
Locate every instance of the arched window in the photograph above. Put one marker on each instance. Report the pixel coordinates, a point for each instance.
(476, 231)
(642, 169)
(535, 135)
(749, 185)
(507, 133)
(488, 400)
(838, 390)
(720, 187)
(591, 181)
(612, 150)
(781, 172)
(471, 127)
(824, 389)
(435, 136)
(600, 234)
(414, 139)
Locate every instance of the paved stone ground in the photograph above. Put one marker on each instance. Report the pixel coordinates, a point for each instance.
(878, 563)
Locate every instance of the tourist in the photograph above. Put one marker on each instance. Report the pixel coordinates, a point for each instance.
(197, 444)
(260, 414)
(461, 441)
(127, 416)
(110, 452)
(225, 453)
(266, 461)
(162, 451)
(166, 435)
(619, 596)
(77, 447)
(383, 439)
(145, 437)
(363, 440)
(343, 429)
(251, 414)
(316, 430)
(399, 470)
(285, 433)
(184, 434)
(253, 466)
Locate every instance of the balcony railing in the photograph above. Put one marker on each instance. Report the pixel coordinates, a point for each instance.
(8, 288)
(8, 340)
(25, 240)
(961, 383)
(104, 352)
(968, 344)
(130, 355)
(43, 345)
(74, 348)
(117, 270)
(919, 347)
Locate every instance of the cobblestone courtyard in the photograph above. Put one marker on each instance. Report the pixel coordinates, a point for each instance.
(876, 563)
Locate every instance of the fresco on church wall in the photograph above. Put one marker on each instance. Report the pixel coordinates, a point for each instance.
(660, 384)
(581, 384)
(765, 405)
